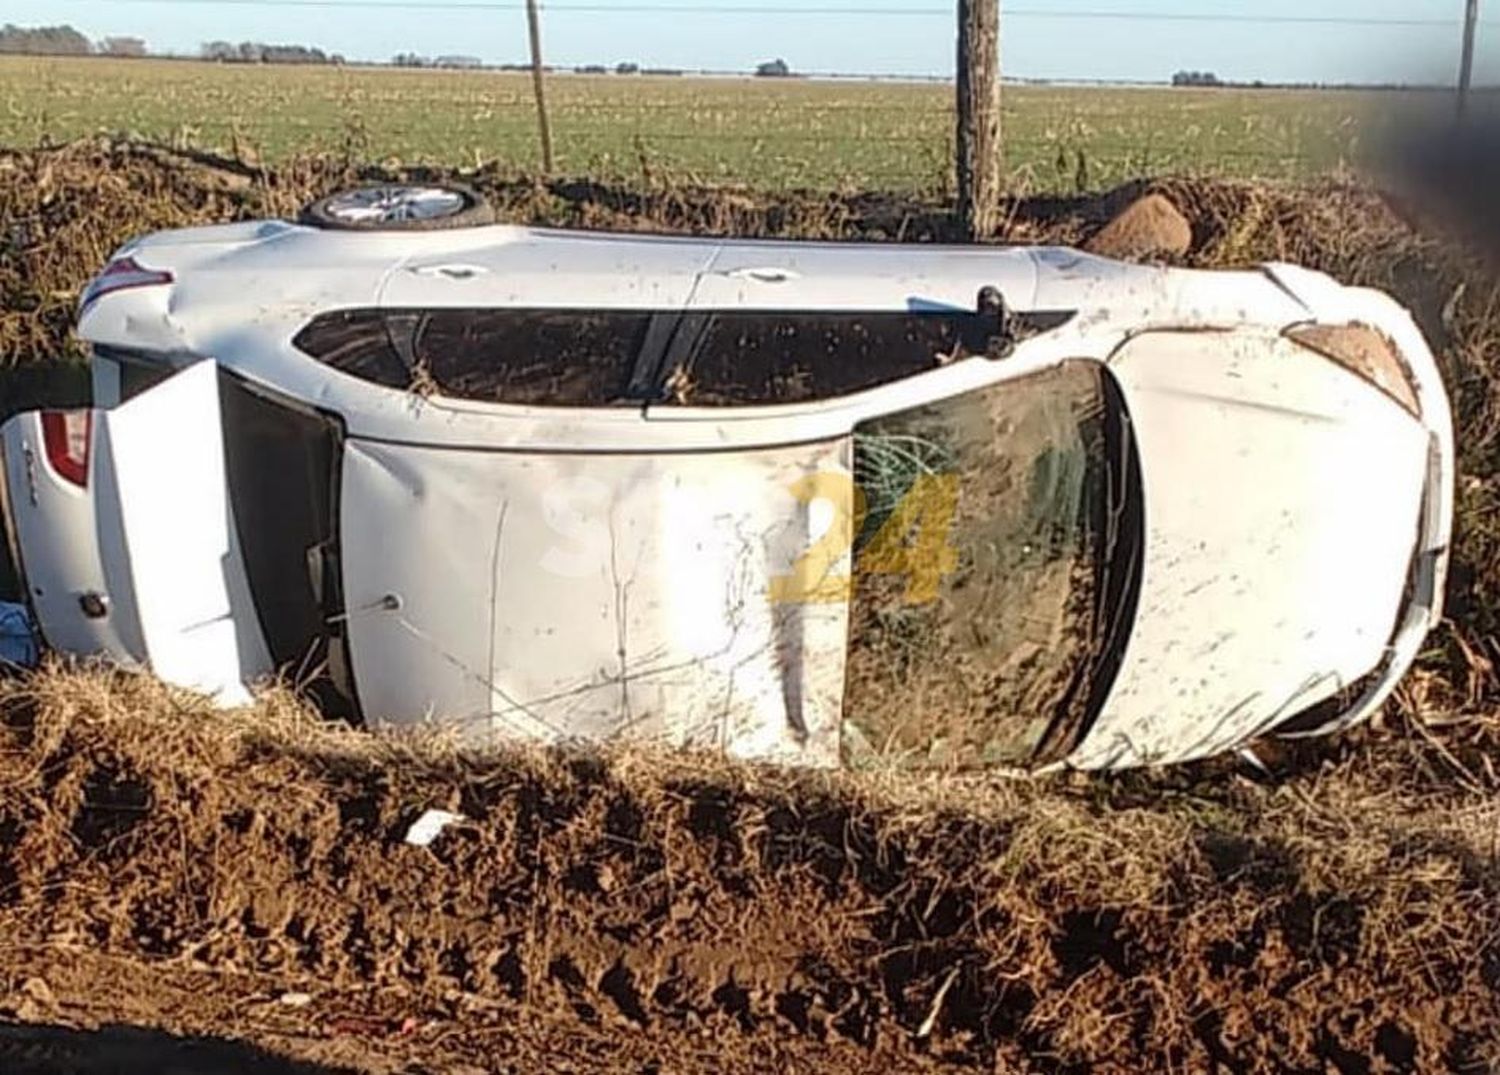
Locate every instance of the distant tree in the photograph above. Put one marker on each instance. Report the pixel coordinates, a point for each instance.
(123, 46)
(259, 52)
(591, 69)
(773, 69)
(662, 71)
(290, 54)
(409, 59)
(627, 68)
(1196, 78)
(44, 41)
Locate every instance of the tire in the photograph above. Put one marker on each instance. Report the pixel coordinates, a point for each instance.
(399, 207)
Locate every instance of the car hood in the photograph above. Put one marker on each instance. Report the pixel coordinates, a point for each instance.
(1282, 500)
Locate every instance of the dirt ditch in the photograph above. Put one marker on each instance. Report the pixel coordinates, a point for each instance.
(183, 890)
(1336, 921)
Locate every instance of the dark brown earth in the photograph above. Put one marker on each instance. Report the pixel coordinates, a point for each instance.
(173, 869)
(188, 891)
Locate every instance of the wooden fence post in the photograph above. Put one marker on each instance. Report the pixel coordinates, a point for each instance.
(1466, 66)
(533, 24)
(978, 141)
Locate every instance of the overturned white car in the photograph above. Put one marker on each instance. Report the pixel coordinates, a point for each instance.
(801, 501)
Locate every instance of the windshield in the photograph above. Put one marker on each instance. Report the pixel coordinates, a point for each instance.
(993, 565)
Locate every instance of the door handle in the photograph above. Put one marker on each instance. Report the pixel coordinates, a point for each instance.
(455, 271)
(769, 274)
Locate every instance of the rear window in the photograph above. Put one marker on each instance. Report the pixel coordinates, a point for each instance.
(582, 357)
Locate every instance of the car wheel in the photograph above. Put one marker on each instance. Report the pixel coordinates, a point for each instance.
(400, 207)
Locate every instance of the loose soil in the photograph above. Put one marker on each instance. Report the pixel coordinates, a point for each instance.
(183, 890)
(246, 877)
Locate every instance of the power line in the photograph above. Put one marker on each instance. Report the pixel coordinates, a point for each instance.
(862, 12)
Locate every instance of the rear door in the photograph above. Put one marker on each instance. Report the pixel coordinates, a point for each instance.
(126, 540)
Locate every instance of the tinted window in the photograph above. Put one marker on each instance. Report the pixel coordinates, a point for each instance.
(993, 570)
(744, 356)
(355, 342)
(599, 357)
(531, 356)
(536, 357)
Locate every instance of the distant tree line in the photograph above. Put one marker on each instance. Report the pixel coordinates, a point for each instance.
(64, 41)
(259, 52)
(412, 59)
(44, 41)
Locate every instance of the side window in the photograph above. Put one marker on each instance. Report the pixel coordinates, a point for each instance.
(748, 357)
(355, 342)
(137, 377)
(559, 357)
(536, 357)
(581, 357)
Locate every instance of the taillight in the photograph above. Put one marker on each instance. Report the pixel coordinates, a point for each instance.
(65, 436)
(119, 275)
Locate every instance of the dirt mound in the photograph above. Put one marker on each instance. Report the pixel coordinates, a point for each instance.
(1151, 227)
(1341, 920)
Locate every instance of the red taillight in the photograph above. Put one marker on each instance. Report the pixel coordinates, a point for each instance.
(118, 275)
(65, 435)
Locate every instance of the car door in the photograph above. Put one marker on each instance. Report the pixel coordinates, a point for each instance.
(125, 536)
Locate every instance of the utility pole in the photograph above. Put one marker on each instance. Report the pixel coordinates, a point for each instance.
(1466, 67)
(978, 140)
(533, 24)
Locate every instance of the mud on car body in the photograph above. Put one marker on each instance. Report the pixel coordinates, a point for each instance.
(809, 502)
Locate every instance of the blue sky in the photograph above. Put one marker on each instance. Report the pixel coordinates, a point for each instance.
(889, 36)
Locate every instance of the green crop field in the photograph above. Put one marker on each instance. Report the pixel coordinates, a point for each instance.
(765, 133)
